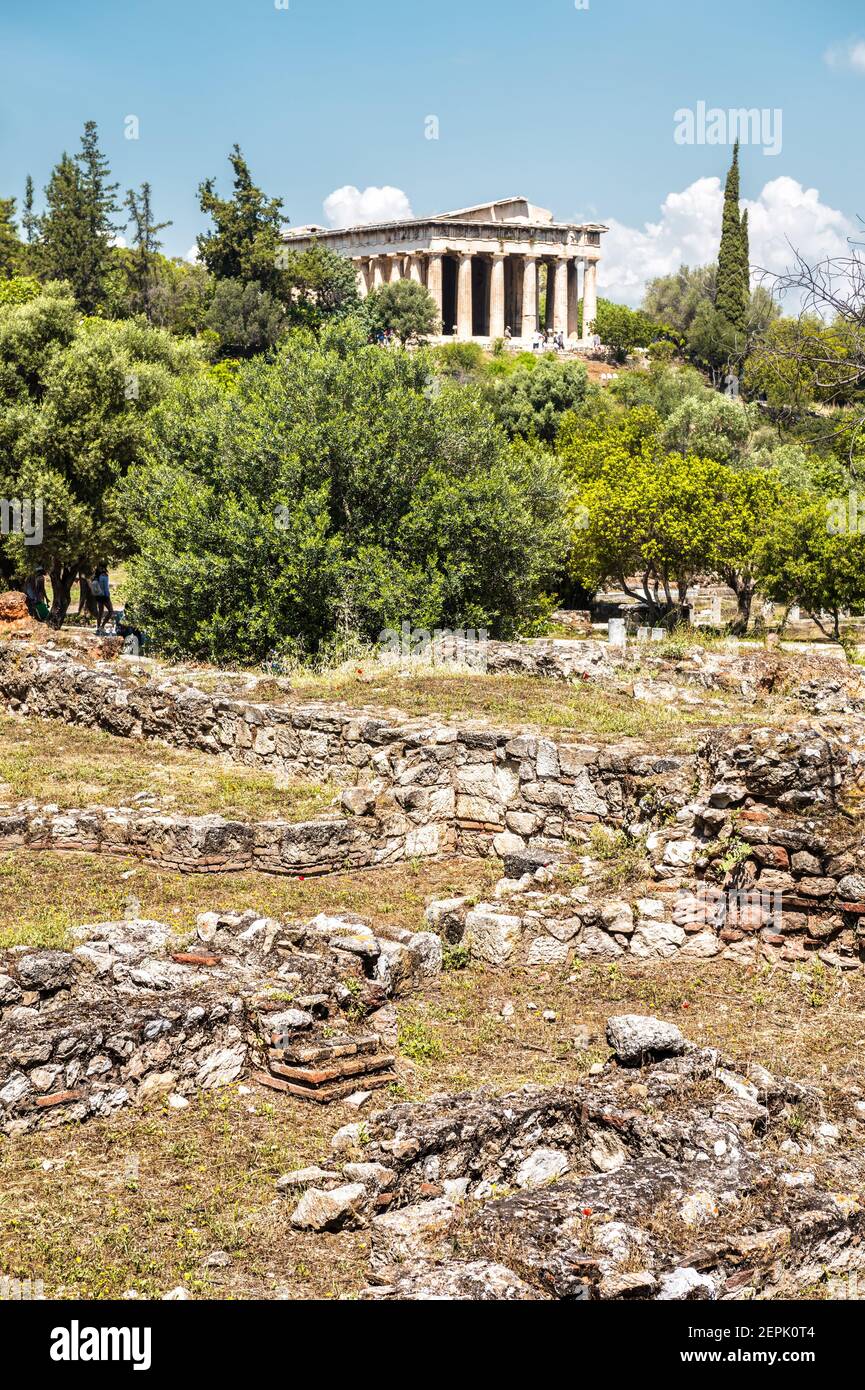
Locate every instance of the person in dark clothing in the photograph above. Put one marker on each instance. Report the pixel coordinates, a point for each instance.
(34, 594)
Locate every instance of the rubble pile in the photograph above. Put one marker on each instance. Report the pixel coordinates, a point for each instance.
(674, 1174)
(134, 1011)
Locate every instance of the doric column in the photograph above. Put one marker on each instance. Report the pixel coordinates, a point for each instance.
(361, 266)
(416, 269)
(590, 297)
(395, 268)
(464, 296)
(434, 280)
(560, 301)
(497, 297)
(573, 299)
(550, 300)
(530, 296)
(377, 272)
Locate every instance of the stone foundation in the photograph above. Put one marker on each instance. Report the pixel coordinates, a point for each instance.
(135, 1011)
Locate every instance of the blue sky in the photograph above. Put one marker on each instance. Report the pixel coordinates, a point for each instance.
(572, 107)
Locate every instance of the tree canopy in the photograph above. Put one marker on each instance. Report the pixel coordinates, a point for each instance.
(332, 487)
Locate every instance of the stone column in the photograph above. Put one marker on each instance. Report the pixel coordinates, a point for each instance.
(377, 272)
(530, 296)
(464, 296)
(434, 280)
(361, 266)
(395, 268)
(590, 296)
(415, 271)
(497, 297)
(550, 302)
(573, 299)
(560, 301)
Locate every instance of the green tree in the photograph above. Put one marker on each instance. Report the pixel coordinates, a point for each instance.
(622, 329)
(733, 288)
(804, 558)
(247, 318)
(19, 289)
(332, 487)
(714, 342)
(404, 308)
(245, 243)
(675, 299)
(145, 245)
(531, 400)
(76, 402)
(77, 230)
(29, 220)
(711, 426)
(10, 246)
(653, 522)
(322, 286)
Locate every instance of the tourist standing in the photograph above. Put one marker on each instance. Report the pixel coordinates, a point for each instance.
(102, 594)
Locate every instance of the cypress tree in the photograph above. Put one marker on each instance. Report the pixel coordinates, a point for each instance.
(745, 258)
(10, 246)
(62, 250)
(245, 242)
(29, 220)
(731, 296)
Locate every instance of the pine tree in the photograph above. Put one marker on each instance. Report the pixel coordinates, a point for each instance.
(29, 220)
(78, 228)
(62, 250)
(245, 243)
(731, 299)
(10, 246)
(145, 244)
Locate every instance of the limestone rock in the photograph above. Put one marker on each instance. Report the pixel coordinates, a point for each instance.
(544, 1165)
(492, 936)
(318, 1210)
(636, 1039)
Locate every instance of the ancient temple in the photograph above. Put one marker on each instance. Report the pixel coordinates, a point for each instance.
(487, 267)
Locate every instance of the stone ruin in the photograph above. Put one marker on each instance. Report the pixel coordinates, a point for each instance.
(670, 1173)
(134, 1011)
(749, 841)
(663, 1176)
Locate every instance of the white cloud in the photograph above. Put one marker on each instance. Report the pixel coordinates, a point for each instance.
(192, 253)
(785, 216)
(849, 55)
(349, 207)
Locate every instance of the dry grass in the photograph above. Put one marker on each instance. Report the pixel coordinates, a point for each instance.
(48, 761)
(43, 894)
(558, 708)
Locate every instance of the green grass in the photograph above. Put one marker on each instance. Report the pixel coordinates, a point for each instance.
(48, 761)
(45, 893)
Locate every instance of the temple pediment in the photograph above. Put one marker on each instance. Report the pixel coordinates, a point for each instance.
(501, 210)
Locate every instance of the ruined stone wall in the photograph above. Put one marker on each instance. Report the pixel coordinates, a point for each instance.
(210, 844)
(468, 789)
(420, 788)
